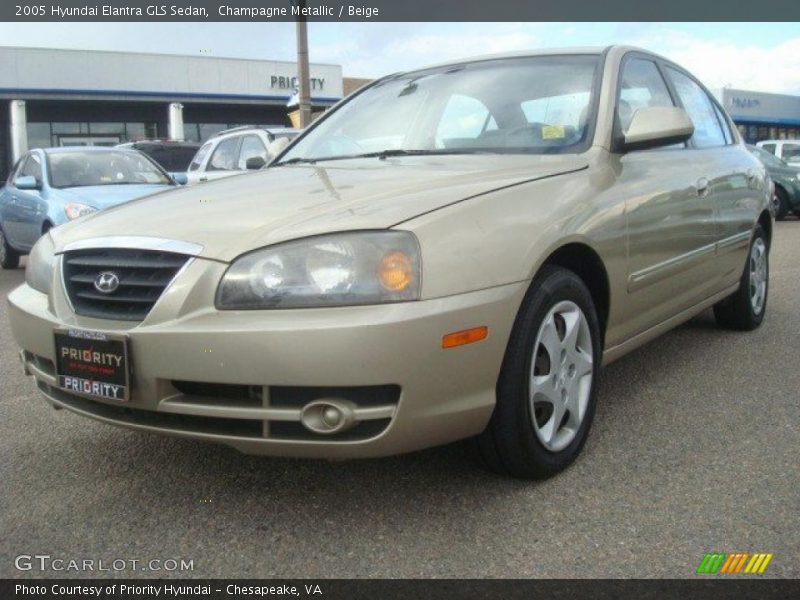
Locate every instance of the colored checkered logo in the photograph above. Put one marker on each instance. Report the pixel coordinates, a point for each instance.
(721, 563)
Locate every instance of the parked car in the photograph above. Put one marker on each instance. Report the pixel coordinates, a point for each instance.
(786, 196)
(531, 217)
(787, 150)
(174, 157)
(234, 151)
(55, 185)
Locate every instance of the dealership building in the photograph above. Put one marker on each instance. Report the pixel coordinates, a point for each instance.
(81, 97)
(762, 116)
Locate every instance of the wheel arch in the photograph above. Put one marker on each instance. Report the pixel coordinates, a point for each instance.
(765, 220)
(586, 263)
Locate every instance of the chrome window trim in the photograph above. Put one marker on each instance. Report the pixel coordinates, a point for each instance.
(135, 242)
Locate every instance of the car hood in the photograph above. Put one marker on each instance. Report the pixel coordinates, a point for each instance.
(106, 196)
(237, 214)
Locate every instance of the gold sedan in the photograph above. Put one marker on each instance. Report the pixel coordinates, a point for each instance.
(452, 252)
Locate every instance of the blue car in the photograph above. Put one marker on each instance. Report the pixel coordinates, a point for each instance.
(52, 186)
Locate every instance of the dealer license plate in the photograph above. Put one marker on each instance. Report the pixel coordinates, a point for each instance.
(92, 363)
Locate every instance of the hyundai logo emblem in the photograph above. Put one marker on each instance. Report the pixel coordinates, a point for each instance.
(106, 282)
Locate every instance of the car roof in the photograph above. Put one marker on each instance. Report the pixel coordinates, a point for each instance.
(576, 50)
(69, 149)
(159, 143)
(249, 128)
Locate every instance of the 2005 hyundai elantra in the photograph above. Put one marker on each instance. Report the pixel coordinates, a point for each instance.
(450, 252)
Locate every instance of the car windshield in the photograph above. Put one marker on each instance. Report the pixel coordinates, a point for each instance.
(536, 105)
(107, 167)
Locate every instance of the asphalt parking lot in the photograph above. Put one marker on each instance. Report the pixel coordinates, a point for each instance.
(694, 449)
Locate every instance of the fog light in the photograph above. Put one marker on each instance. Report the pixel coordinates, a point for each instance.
(331, 416)
(328, 416)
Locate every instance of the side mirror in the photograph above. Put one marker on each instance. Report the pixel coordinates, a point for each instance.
(254, 163)
(277, 146)
(656, 126)
(180, 178)
(27, 182)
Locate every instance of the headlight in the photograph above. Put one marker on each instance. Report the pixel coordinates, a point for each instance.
(41, 263)
(366, 267)
(74, 210)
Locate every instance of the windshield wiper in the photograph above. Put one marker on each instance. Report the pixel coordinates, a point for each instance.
(384, 154)
(393, 152)
(296, 160)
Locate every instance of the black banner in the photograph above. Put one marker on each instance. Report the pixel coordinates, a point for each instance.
(397, 10)
(737, 588)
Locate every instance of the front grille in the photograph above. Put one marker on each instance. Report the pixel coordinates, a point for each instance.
(143, 275)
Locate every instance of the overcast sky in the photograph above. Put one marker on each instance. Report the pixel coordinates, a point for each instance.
(757, 56)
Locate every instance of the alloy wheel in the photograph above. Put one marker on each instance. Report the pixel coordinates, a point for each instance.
(758, 275)
(561, 375)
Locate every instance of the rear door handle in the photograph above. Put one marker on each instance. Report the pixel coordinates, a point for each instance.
(203, 179)
(702, 187)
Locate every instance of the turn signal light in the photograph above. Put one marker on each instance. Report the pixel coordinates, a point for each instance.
(395, 271)
(468, 336)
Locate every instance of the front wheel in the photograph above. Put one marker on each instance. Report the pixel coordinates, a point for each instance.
(9, 258)
(744, 310)
(548, 383)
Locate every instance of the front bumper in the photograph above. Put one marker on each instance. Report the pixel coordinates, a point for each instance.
(243, 378)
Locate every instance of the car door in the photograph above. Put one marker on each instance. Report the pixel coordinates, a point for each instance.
(671, 230)
(734, 176)
(21, 215)
(223, 160)
(9, 218)
(252, 146)
(31, 203)
(196, 172)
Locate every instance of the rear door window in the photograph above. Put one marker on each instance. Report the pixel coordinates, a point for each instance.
(769, 148)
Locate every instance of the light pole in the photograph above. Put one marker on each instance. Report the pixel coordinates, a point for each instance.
(303, 81)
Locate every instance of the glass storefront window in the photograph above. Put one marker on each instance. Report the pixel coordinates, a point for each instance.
(69, 128)
(107, 128)
(46, 135)
(38, 135)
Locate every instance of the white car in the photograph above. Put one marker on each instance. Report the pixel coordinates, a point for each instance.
(788, 150)
(234, 151)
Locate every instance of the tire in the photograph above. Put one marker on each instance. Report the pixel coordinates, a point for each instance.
(9, 258)
(744, 310)
(514, 443)
(780, 204)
